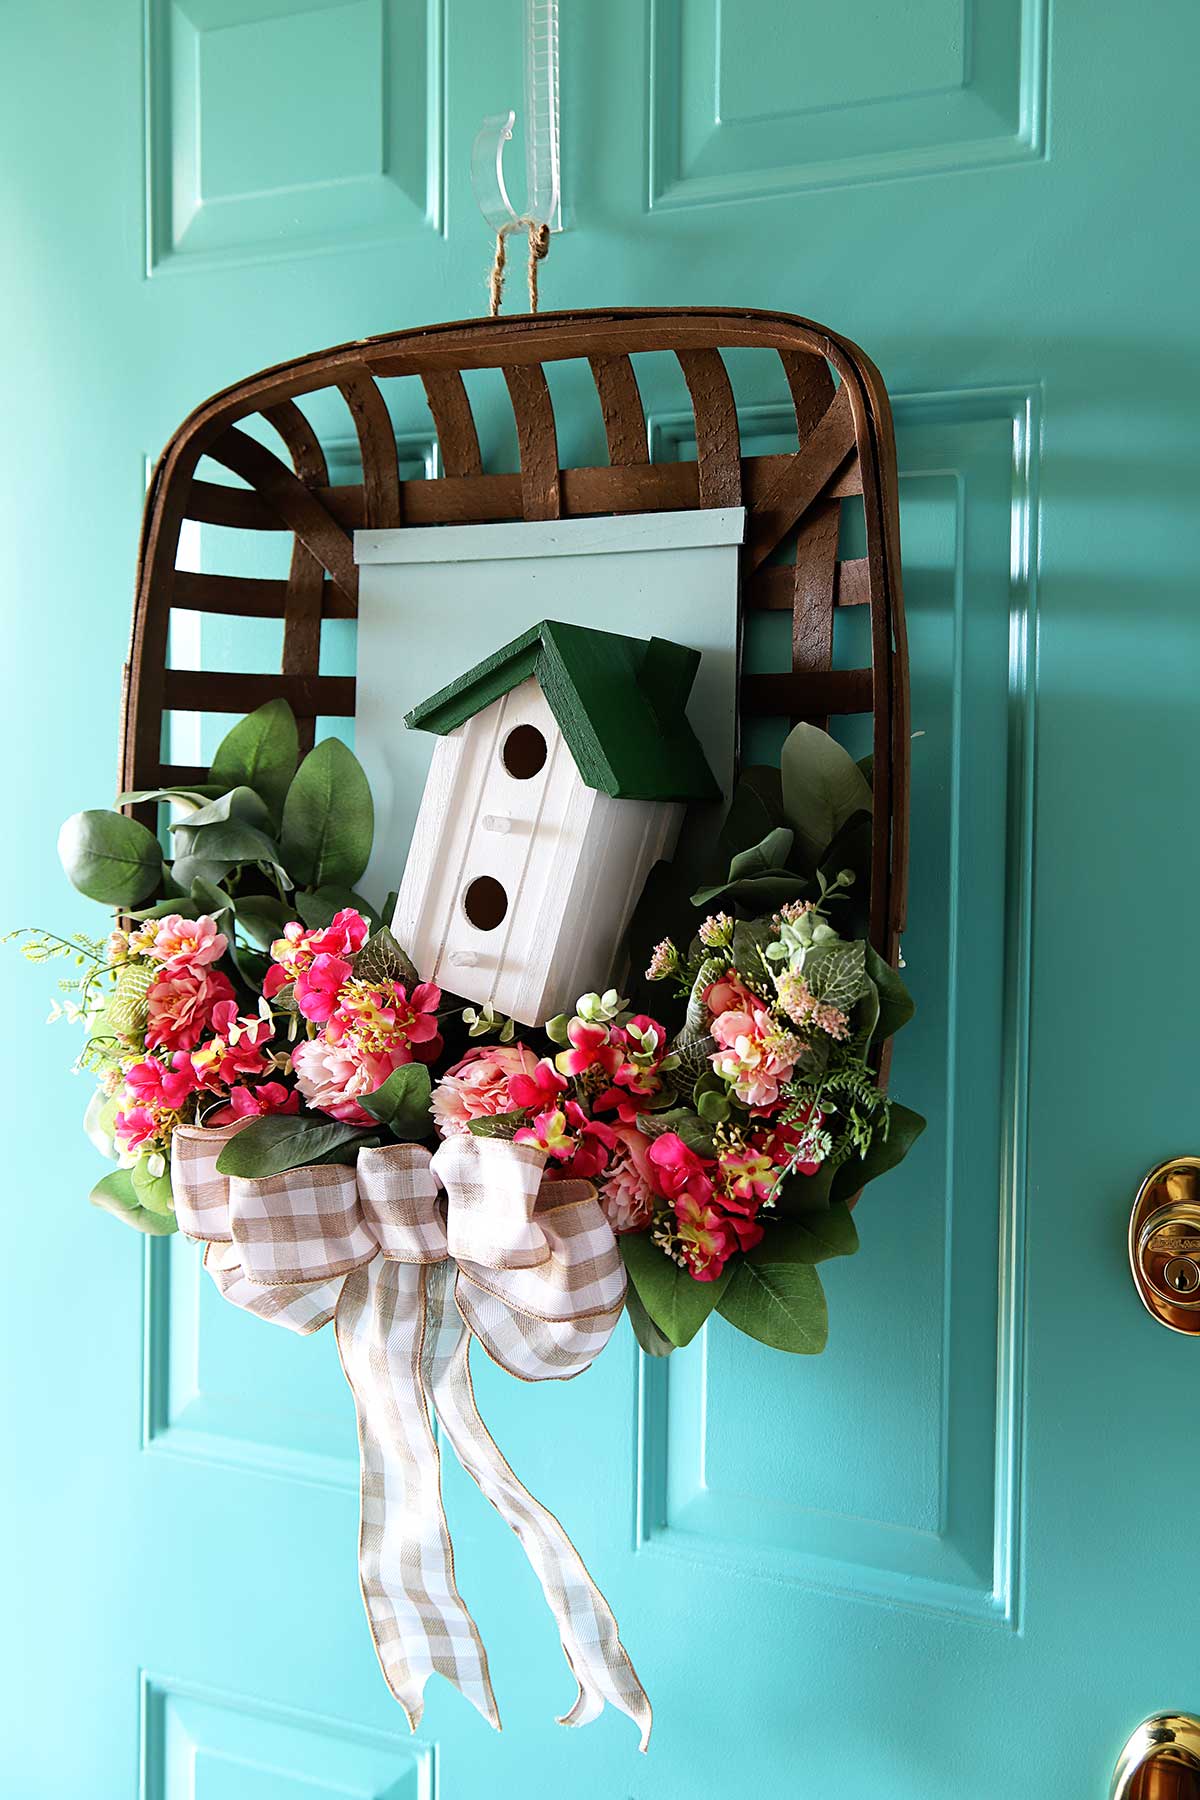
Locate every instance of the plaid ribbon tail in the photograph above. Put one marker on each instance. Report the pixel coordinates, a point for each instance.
(590, 1639)
(418, 1621)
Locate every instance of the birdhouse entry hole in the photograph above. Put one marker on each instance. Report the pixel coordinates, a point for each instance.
(524, 752)
(485, 903)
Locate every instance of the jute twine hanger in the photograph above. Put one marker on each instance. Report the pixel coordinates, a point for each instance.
(539, 244)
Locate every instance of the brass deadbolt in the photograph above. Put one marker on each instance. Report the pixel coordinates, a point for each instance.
(1164, 1244)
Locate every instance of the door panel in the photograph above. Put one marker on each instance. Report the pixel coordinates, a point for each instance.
(890, 1573)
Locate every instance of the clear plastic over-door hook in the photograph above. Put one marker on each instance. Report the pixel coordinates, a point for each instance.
(543, 193)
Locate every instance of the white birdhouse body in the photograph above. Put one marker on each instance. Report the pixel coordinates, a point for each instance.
(521, 878)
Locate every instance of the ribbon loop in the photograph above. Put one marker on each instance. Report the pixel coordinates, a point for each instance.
(539, 1281)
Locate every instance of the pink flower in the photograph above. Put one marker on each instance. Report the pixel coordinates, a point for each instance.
(549, 1134)
(235, 1049)
(385, 1021)
(135, 1127)
(480, 1086)
(708, 1237)
(181, 1005)
(541, 1089)
(627, 1192)
(318, 985)
(591, 1048)
(753, 1054)
(643, 1048)
(332, 1077)
(730, 994)
(594, 1144)
(187, 944)
(255, 1103)
(166, 1085)
(295, 951)
(676, 1170)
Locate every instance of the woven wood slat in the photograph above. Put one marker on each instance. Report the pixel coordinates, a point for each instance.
(718, 441)
(844, 448)
(294, 504)
(382, 508)
(309, 696)
(774, 589)
(803, 481)
(812, 602)
(621, 405)
(477, 500)
(537, 439)
(251, 596)
(454, 422)
(812, 694)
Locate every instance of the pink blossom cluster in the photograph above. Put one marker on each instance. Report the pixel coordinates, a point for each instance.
(365, 1029)
(199, 1048)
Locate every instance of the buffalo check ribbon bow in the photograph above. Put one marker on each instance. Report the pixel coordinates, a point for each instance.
(410, 1274)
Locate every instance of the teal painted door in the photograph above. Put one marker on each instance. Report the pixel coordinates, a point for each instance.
(951, 1557)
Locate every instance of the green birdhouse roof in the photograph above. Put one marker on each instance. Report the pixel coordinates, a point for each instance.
(619, 703)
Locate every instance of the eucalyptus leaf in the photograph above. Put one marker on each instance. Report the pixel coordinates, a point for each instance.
(99, 1119)
(402, 1103)
(823, 786)
(675, 1301)
(778, 1303)
(188, 870)
(895, 1002)
(153, 1191)
(755, 809)
(645, 1330)
(226, 841)
(282, 1141)
(164, 909)
(328, 819)
(115, 1194)
(109, 857)
(262, 918)
(808, 1237)
(904, 1128)
(261, 753)
(200, 795)
(758, 875)
(239, 803)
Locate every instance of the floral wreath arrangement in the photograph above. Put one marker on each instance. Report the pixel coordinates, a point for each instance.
(351, 1143)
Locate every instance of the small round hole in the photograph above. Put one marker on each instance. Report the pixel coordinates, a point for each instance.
(524, 752)
(485, 903)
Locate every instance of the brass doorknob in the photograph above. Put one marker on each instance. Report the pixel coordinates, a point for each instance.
(1162, 1758)
(1164, 1244)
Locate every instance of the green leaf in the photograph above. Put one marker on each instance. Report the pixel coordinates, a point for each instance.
(402, 1103)
(153, 1191)
(316, 910)
(684, 1123)
(190, 871)
(226, 841)
(239, 803)
(645, 1330)
(904, 1128)
(126, 1011)
(282, 1141)
(755, 809)
(808, 1237)
(382, 959)
(780, 1304)
(115, 1193)
(675, 1301)
(499, 1125)
(187, 909)
(758, 876)
(99, 1119)
(836, 973)
(109, 857)
(261, 753)
(895, 1002)
(199, 795)
(713, 1106)
(822, 787)
(328, 819)
(262, 918)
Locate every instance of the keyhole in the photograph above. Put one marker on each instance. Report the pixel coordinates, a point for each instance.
(1182, 1274)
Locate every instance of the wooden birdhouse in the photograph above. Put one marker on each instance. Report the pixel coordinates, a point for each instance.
(563, 765)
